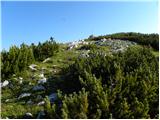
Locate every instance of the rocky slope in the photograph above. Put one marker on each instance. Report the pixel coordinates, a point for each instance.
(29, 90)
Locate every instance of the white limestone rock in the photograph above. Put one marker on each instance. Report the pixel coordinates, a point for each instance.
(46, 60)
(41, 75)
(41, 103)
(33, 67)
(43, 80)
(7, 100)
(14, 75)
(28, 115)
(5, 83)
(20, 82)
(24, 95)
(103, 40)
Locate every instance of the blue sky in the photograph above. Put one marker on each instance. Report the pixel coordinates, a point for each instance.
(69, 21)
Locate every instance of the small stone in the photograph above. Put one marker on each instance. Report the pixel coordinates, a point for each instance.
(30, 102)
(7, 100)
(43, 80)
(28, 115)
(32, 67)
(5, 83)
(46, 60)
(20, 82)
(41, 75)
(14, 75)
(41, 103)
(24, 95)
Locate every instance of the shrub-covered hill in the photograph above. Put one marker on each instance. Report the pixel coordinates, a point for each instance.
(100, 77)
(143, 39)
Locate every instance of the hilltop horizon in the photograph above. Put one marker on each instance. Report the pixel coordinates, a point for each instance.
(65, 42)
(66, 21)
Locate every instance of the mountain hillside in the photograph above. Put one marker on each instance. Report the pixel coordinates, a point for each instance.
(111, 76)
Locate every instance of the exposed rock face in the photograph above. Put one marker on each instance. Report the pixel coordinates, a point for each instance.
(115, 44)
(76, 44)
